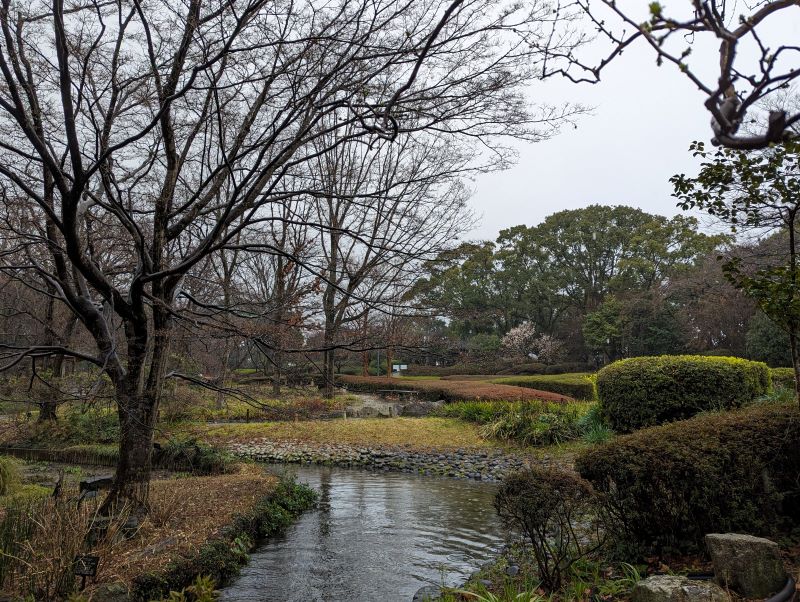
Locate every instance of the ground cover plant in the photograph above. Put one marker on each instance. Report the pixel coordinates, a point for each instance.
(645, 391)
(530, 423)
(733, 471)
(451, 390)
(578, 385)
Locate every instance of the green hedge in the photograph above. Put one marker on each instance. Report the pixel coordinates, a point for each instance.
(783, 377)
(727, 472)
(221, 558)
(647, 391)
(578, 386)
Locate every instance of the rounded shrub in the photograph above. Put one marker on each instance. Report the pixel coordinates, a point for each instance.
(647, 391)
(668, 486)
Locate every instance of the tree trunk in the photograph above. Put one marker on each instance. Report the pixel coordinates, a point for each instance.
(223, 375)
(131, 487)
(365, 363)
(796, 365)
(327, 374)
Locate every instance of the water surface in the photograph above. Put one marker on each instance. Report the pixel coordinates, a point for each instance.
(375, 537)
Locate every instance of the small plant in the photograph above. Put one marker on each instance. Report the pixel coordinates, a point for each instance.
(557, 512)
(202, 590)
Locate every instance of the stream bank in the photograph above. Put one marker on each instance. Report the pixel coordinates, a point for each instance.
(482, 465)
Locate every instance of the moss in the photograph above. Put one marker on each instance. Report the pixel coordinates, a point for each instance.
(221, 558)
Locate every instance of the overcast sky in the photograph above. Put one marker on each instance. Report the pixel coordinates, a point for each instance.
(638, 136)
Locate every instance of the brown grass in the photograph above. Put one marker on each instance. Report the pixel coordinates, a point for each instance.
(414, 433)
(187, 512)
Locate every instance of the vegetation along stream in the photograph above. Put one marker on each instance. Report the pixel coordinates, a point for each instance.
(374, 536)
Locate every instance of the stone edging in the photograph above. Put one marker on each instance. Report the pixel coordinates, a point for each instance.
(484, 465)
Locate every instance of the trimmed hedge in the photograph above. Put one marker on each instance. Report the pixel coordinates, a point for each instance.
(578, 386)
(449, 390)
(727, 472)
(783, 377)
(494, 368)
(221, 558)
(647, 391)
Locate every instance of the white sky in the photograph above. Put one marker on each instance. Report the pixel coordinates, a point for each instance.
(638, 136)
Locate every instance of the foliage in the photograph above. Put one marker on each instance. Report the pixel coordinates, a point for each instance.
(91, 425)
(556, 510)
(577, 385)
(9, 475)
(761, 191)
(766, 342)
(191, 455)
(219, 560)
(201, 590)
(646, 391)
(530, 423)
(782, 377)
(668, 486)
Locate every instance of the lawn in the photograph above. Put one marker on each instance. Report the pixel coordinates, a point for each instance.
(416, 433)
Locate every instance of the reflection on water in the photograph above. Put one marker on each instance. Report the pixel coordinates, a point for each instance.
(374, 537)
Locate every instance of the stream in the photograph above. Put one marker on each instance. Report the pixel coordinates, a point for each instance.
(374, 537)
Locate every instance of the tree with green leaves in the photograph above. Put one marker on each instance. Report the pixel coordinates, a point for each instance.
(757, 192)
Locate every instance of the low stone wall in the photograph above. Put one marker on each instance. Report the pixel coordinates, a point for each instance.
(484, 465)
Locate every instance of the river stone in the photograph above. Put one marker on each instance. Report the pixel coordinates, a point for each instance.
(675, 588)
(427, 593)
(751, 566)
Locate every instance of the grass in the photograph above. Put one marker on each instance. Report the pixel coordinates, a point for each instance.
(531, 423)
(417, 433)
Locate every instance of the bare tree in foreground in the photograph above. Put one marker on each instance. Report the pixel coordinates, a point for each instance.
(142, 136)
(754, 64)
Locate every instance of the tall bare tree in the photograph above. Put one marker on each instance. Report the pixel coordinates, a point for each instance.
(141, 136)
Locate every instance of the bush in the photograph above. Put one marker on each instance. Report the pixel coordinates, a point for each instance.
(727, 472)
(92, 426)
(647, 391)
(578, 386)
(556, 511)
(189, 455)
(783, 377)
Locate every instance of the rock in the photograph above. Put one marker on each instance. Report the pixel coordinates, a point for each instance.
(427, 593)
(749, 565)
(512, 570)
(675, 588)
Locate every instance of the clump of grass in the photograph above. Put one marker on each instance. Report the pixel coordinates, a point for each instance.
(531, 423)
(9, 475)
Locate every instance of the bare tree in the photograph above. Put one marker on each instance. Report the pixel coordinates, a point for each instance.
(142, 136)
(754, 65)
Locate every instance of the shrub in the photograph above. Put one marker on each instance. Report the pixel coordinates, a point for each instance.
(647, 391)
(92, 426)
(190, 455)
(556, 511)
(728, 472)
(578, 385)
(783, 377)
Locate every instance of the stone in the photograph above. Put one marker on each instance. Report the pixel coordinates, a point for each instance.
(427, 593)
(675, 588)
(512, 570)
(751, 566)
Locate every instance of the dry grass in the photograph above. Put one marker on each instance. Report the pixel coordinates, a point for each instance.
(415, 433)
(187, 512)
